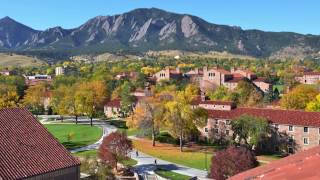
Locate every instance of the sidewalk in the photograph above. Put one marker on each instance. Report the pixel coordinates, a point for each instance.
(146, 165)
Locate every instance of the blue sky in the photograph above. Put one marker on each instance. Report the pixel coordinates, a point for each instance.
(271, 15)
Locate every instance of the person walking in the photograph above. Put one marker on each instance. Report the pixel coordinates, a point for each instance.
(137, 154)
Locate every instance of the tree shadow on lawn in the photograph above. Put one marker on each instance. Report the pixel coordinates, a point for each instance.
(152, 167)
(74, 145)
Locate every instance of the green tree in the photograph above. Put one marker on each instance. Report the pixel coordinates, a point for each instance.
(249, 130)
(221, 93)
(127, 99)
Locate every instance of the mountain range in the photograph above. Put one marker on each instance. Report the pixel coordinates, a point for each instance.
(142, 30)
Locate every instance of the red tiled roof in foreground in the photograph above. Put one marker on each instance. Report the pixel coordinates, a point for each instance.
(27, 148)
(303, 165)
(276, 116)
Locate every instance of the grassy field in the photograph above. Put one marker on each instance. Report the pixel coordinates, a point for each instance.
(171, 175)
(74, 136)
(14, 60)
(279, 87)
(191, 157)
(129, 162)
(89, 153)
(121, 125)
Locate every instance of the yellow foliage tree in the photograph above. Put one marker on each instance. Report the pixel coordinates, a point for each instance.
(299, 97)
(8, 96)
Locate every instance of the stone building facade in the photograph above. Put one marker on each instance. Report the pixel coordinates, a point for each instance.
(309, 78)
(302, 129)
(168, 74)
(211, 78)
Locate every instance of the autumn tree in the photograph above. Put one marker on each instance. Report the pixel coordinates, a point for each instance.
(314, 105)
(299, 97)
(231, 161)
(64, 101)
(8, 96)
(147, 115)
(248, 94)
(249, 130)
(180, 117)
(35, 96)
(221, 93)
(114, 148)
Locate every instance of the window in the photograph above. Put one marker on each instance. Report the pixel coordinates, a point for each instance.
(205, 129)
(216, 122)
(290, 150)
(227, 132)
(216, 130)
(290, 128)
(227, 122)
(276, 126)
(305, 141)
(306, 129)
(290, 140)
(319, 130)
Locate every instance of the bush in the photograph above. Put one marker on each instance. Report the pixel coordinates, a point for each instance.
(165, 137)
(231, 161)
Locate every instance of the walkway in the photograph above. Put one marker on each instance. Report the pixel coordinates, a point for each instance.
(146, 165)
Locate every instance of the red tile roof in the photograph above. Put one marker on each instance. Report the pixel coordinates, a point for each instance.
(114, 103)
(27, 148)
(197, 100)
(303, 165)
(312, 73)
(276, 116)
(235, 80)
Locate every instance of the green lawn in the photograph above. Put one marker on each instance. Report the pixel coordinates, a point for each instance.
(171, 175)
(190, 158)
(73, 136)
(279, 87)
(89, 153)
(129, 162)
(122, 127)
